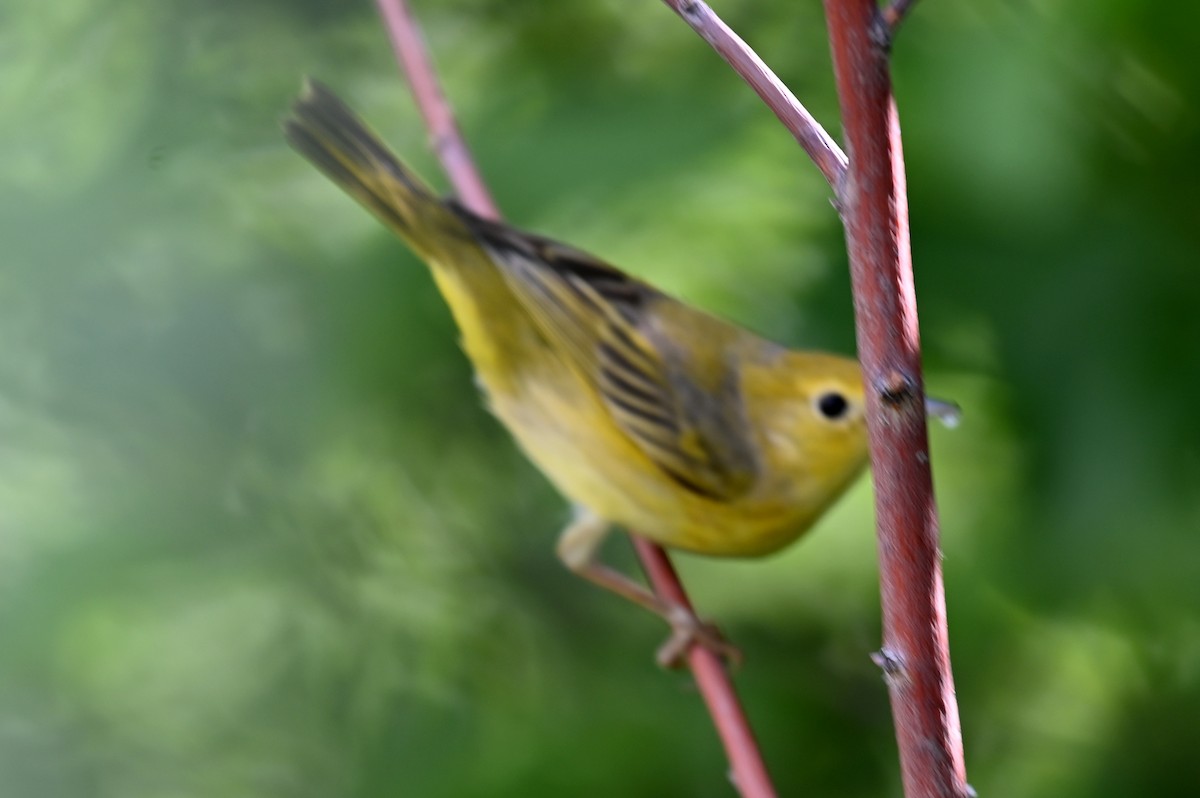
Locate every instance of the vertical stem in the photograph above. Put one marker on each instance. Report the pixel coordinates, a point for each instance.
(915, 655)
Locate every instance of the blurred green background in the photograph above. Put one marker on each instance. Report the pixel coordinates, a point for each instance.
(258, 538)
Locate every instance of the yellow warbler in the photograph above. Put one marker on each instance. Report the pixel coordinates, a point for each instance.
(643, 411)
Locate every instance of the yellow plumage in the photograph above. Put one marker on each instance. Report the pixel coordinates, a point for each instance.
(643, 411)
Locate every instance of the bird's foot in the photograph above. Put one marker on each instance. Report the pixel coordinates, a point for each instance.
(687, 630)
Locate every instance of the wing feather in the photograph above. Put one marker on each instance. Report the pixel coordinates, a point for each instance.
(691, 425)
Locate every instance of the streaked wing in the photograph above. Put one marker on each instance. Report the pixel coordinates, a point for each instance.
(689, 421)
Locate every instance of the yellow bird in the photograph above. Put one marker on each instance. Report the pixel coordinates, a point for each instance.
(642, 410)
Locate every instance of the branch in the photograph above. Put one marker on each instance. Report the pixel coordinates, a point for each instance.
(447, 139)
(748, 771)
(822, 149)
(915, 655)
(889, 19)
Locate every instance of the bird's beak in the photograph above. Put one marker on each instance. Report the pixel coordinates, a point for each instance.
(946, 412)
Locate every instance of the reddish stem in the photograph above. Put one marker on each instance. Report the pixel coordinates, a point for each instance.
(915, 655)
(893, 14)
(447, 139)
(749, 773)
(746, 762)
(822, 149)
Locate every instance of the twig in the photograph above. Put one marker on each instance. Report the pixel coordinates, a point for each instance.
(749, 773)
(448, 142)
(822, 149)
(915, 655)
(746, 762)
(890, 17)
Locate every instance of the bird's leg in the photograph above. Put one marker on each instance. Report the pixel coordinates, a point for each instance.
(578, 546)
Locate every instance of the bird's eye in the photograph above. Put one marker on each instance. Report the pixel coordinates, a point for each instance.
(832, 405)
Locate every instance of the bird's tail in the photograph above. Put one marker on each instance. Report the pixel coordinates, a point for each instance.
(326, 132)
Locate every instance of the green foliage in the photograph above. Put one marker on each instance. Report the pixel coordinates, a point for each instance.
(259, 538)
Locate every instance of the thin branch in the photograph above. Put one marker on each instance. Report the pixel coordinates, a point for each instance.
(749, 773)
(915, 655)
(822, 149)
(447, 139)
(890, 18)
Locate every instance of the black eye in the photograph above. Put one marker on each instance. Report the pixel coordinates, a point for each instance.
(832, 405)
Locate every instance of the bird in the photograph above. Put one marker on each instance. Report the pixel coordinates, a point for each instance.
(643, 411)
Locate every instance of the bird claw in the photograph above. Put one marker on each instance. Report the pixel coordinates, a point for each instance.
(686, 631)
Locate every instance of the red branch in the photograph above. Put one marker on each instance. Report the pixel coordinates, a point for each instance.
(822, 149)
(745, 761)
(915, 655)
(447, 139)
(874, 206)
(748, 771)
(892, 15)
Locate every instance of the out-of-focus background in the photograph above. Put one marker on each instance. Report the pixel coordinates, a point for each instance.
(258, 537)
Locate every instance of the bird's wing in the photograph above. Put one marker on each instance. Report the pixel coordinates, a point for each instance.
(685, 414)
